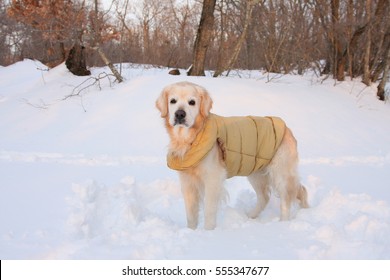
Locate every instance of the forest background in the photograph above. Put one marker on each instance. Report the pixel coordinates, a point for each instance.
(339, 38)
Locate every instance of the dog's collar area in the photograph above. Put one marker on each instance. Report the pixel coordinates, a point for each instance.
(200, 147)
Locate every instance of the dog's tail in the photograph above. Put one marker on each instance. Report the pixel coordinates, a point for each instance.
(302, 197)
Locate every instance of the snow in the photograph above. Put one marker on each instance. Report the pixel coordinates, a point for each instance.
(85, 177)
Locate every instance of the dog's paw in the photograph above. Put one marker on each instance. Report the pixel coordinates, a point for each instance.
(254, 213)
(209, 226)
(192, 225)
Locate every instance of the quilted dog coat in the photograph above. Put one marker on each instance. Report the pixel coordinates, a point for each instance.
(247, 143)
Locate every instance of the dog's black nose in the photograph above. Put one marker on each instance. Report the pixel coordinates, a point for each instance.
(180, 115)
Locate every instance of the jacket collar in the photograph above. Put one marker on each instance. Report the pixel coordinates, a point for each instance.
(200, 147)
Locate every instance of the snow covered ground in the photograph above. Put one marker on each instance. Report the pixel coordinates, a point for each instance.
(85, 177)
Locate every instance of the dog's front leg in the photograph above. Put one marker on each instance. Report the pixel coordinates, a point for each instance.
(213, 188)
(191, 197)
(213, 175)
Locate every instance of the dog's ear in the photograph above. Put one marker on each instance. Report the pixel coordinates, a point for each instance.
(162, 102)
(206, 103)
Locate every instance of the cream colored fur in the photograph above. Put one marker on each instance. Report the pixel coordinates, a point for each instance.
(205, 181)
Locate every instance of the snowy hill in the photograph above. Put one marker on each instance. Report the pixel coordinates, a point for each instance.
(85, 177)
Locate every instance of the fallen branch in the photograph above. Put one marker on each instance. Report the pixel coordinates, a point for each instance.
(42, 105)
(108, 63)
(91, 81)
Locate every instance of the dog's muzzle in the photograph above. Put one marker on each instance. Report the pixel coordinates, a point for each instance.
(180, 117)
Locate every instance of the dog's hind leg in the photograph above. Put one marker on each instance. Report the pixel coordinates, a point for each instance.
(302, 197)
(259, 182)
(284, 177)
(191, 196)
(290, 190)
(287, 192)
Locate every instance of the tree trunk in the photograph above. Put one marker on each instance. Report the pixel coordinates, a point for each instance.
(97, 40)
(340, 74)
(76, 61)
(146, 40)
(338, 58)
(109, 64)
(351, 22)
(203, 37)
(366, 59)
(222, 34)
(386, 75)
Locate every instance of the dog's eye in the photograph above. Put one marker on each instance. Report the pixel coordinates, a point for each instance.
(192, 102)
(173, 101)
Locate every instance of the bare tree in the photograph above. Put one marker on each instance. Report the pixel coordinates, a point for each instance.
(150, 10)
(182, 33)
(98, 38)
(237, 48)
(203, 37)
(352, 38)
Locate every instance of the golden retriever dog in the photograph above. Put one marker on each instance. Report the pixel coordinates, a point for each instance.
(206, 149)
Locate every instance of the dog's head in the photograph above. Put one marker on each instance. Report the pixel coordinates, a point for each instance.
(184, 104)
